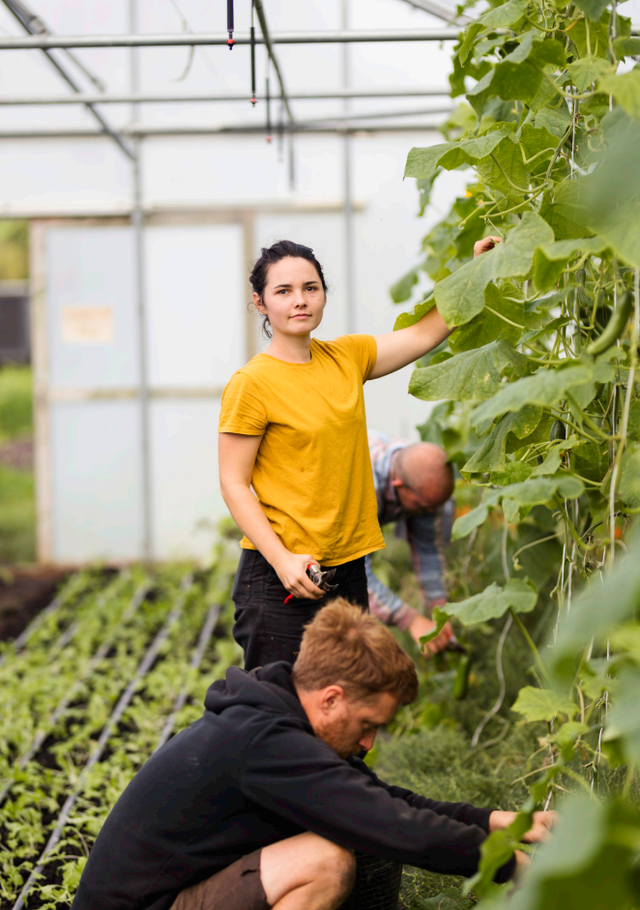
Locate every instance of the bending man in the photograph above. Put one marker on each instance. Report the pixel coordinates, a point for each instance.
(261, 802)
(413, 483)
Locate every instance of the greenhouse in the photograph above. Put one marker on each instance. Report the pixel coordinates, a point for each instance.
(467, 177)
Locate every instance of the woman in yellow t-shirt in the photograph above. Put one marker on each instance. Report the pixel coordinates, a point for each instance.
(295, 470)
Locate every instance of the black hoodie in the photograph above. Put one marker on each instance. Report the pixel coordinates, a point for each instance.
(249, 773)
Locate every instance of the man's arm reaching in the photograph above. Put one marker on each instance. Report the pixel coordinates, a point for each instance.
(391, 610)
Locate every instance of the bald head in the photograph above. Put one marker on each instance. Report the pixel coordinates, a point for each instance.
(422, 477)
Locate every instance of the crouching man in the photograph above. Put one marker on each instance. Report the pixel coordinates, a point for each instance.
(262, 802)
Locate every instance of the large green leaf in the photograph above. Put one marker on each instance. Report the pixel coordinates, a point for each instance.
(520, 74)
(623, 723)
(629, 485)
(504, 171)
(542, 704)
(518, 595)
(551, 259)
(491, 456)
(406, 319)
(507, 14)
(587, 864)
(518, 499)
(599, 608)
(423, 162)
(544, 388)
(476, 374)
(593, 8)
(402, 289)
(609, 198)
(461, 296)
(503, 317)
(625, 89)
(586, 71)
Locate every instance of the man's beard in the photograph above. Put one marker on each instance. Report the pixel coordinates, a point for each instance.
(332, 733)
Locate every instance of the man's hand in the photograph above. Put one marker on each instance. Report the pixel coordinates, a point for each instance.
(482, 246)
(543, 822)
(420, 626)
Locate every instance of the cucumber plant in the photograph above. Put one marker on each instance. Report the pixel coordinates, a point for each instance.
(539, 385)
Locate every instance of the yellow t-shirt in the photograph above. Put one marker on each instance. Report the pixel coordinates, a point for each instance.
(312, 474)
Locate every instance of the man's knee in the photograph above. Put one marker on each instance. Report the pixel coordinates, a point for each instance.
(335, 866)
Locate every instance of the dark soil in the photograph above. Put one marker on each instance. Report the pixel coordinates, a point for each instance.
(23, 593)
(18, 454)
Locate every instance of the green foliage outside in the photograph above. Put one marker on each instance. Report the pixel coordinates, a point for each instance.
(542, 417)
(14, 250)
(16, 405)
(17, 488)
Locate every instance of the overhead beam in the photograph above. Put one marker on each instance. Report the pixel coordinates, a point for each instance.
(334, 95)
(179, 131)
(38, 32)
(189, 39)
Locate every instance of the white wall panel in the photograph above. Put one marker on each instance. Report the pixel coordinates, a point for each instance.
(195, 291)
(186, 493)
(95, 448)
(93, 268)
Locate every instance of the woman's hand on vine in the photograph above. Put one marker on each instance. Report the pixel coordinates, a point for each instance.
(484, 245)
(291, 569)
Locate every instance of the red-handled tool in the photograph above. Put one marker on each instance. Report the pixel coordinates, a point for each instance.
(320, 577)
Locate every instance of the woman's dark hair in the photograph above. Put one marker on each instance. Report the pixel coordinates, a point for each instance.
(280, 250)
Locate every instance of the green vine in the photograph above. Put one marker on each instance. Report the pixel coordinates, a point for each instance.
(541, 376)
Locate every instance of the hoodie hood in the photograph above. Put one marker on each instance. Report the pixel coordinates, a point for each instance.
(268, 688)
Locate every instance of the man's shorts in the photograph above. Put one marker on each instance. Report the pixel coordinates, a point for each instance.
(238, 887)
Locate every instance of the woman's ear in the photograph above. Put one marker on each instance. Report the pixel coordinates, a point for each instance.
(259, 305)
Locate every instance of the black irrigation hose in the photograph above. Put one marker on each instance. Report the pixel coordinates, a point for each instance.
(64, 702)
(123, 702)
(205, 636)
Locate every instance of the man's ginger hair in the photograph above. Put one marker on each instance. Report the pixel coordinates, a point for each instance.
(346, 647)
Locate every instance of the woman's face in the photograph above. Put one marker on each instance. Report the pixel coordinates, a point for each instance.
(293, 297)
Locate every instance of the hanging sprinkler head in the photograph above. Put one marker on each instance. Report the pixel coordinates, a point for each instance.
(230, 40)
(253, 60)
(269, 130)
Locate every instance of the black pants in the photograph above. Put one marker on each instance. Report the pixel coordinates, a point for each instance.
(265, 628)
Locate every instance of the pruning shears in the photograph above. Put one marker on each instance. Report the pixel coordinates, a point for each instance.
(320, 577)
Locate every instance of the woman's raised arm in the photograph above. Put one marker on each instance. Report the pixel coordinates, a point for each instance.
(397, 349)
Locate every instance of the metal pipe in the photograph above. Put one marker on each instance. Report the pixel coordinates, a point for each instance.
(349, 244)
(440, 12)
(335, 95)
(179, 131)
(266, 37)
(191, 40)
(26, 20)
(137, 222)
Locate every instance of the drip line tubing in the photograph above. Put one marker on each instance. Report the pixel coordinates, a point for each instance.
(204, 639)
(123, 702)
(64, 702)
